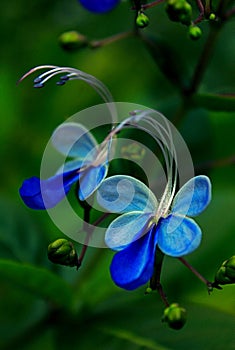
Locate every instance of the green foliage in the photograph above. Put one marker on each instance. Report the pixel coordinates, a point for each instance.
(39, 281)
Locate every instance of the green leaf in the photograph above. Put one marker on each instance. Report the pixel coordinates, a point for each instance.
(133, 338)
(20, 238)
(39, 281)
(215, 102)
(167, 60)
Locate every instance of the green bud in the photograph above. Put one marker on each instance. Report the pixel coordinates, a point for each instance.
(226, 273)
(175, 316)
(62, 252)
(142, 20)
(148, 290)
(179, 11)
(72, 40)
(230, 268)
(212, 17)
(195, 32)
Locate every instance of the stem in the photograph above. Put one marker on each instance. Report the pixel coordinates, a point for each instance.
(89, 229)
(229, 13)
(203, 61)
(196, 273)
(217, 163)
(151, 4)
(207, 8)
(99, 43)
(155, 283)
(200, 7)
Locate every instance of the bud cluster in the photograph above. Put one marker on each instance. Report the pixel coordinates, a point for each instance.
(179, 11)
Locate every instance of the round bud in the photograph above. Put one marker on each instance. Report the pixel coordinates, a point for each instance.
(142, 20)
(226, 273)
(62, 252)
(148, 290)
(72, 40)
(195, 32)
(175, 316)
(212, 17)
(99, 6)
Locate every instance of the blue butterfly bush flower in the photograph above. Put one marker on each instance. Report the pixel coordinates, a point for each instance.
(89, 166)
(100, 6)
(146, 224)
(90, 160)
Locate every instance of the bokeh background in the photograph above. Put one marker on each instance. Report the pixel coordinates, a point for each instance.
(37, 299)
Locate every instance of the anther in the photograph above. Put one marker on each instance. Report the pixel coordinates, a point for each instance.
(38, 85)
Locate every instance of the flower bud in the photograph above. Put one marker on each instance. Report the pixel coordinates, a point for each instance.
(142, 20)
(175, 316)
(226, 273)
(62, 252)
(212, 17)
(195, 32)
(72, 40)
(179, 11)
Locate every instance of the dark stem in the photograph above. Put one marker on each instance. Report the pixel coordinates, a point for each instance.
(155, 283)
(196, 273)
(89, 229)
(203, 61)
(217, 163)
(151, 4)
(99, 43)
(207, 8)
(229, 13)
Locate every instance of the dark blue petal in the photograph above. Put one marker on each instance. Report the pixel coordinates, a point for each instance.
(90, 180)
(99, 6)
(178, 236)
(193, 197)
(45, 194)
(134, 265)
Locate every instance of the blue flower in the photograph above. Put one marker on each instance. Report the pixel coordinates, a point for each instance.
(100, 6)
(146, 224)
(89, 166)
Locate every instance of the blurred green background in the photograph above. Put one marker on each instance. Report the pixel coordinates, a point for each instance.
(36, 305)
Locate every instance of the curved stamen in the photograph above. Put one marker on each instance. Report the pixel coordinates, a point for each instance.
(71, 74)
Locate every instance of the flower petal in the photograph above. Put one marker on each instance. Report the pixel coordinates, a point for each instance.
(90, 180)
(193, 197)
(126, 229)
(122, 194)
(73, 140)
(71, 165)
(178, 236)
(45, 194)
(133, 266)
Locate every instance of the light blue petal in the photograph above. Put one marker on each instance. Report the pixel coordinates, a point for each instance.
(126, 229)
(134, 266)
(71, 165)
(178, 236)
(122, 194)
(193, 197)
(90, 180)
(73, 140)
